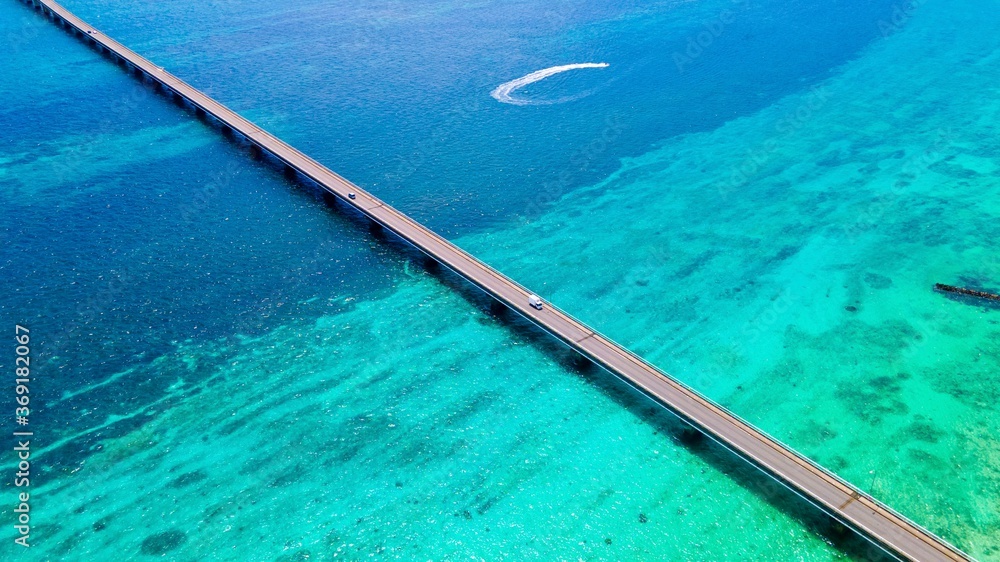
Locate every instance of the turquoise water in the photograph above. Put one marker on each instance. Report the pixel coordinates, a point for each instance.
(230, 370)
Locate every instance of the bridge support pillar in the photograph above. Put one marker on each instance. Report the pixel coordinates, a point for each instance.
(498, 308)
(836, 528)
(329, 198)
(432, 265)
(199, 112)
(691, 436)
(376, 229)
(290, 172)
(255, 152)
(838, 534)
(582, 363)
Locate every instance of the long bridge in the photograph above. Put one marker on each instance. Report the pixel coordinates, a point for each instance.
(847, 504)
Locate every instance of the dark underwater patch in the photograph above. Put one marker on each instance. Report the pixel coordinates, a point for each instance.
(876, 281)
(188, 478)
(873, 402)
(162, 543)
(923, 431)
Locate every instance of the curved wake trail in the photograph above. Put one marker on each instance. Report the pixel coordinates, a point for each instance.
(502, 93)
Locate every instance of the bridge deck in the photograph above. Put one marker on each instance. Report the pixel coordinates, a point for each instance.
(841, 500)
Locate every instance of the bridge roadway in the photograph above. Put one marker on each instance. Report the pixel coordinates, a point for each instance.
(839, 499)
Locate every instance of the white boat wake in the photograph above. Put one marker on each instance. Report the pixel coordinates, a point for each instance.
(502, 93)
